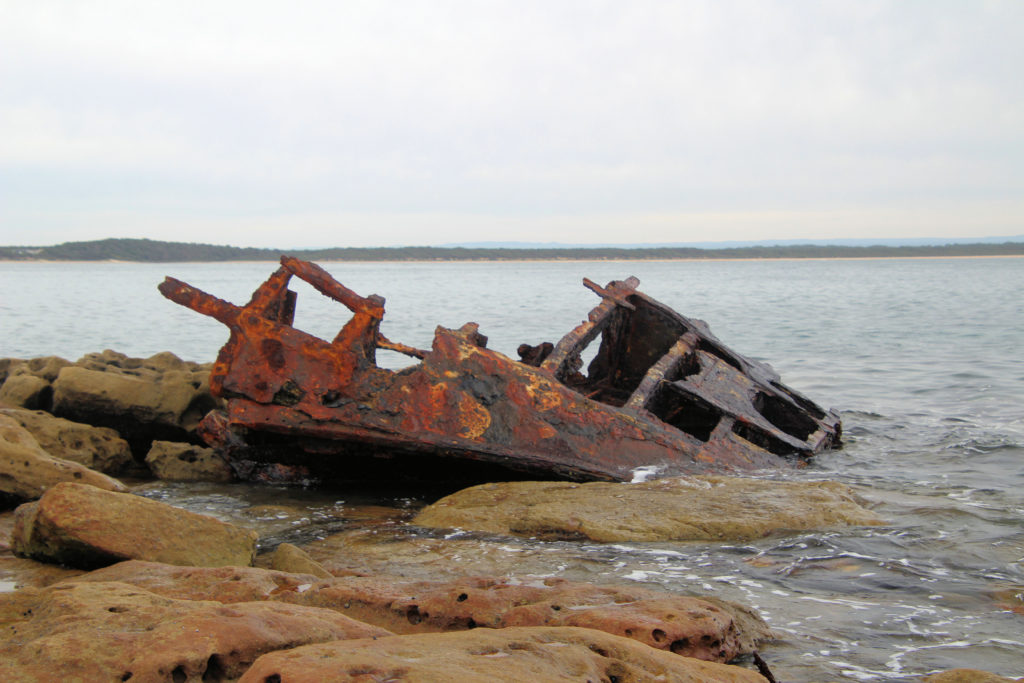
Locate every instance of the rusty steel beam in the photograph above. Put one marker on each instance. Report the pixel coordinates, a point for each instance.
(661, 391)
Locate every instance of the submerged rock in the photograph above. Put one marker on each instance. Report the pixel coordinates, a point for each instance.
(291, 558)
(512, 654)
(176, 461)
(97, 448)
(697, 508)
(115, 632)
(83, 526)
(684, 625)
(27, 471)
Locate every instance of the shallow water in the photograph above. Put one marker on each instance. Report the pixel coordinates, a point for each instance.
(923, 358)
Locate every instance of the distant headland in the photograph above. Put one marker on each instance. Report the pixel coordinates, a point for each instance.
(154, 251)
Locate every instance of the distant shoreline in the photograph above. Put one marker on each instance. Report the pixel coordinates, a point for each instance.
(681, 259)
(151, 251)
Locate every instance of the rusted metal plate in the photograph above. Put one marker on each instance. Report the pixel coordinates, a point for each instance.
(661, 392)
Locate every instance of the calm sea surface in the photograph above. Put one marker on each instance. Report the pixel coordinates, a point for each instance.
(923, 358)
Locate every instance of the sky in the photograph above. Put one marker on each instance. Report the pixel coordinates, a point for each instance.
(351, 123)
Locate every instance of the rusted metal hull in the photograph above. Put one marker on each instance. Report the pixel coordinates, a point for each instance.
(661, 392)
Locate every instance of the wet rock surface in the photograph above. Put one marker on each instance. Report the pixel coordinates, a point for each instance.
(694, 508)
(108, 631)
(86, 527)
(687, 626)
(512, 654)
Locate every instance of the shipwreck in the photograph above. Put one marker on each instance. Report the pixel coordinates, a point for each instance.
(661, 394)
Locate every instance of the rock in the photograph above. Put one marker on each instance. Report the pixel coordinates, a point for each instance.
(697, 508)
(28, 383)
(688, 626)
(17, 572)
(25, 391)
(176, 461)
(117, 632)
(512, 654)
(290, 558)
(967, 676)
(83, 526)
(227, 584)
(161, 397)
(97, 448)
(27, 471)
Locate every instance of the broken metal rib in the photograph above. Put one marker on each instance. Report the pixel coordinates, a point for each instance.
(199, 301)
(611, 296)
(324, 283)
(660, 371)
(615, 295)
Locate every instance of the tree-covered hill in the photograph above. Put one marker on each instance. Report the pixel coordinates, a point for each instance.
(145, 250)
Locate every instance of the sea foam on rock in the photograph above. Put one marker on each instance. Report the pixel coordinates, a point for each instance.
(83, 526)
(698, 508)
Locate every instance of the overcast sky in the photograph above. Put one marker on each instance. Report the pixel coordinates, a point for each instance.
(343, 123)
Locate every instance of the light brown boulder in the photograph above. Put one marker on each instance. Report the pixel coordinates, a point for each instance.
(27, 471)
(83, 526)
(176, 461)
(25, 391)
(684, 625)
(28, 383)
(227, 584)
(290, 558)
(697, 508)
(97, 448)
(161, 397)
(117, 632)
(486, 655)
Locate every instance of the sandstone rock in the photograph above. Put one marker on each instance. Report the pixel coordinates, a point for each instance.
(484, 655)
(161, 397)
(117, 632)
(176, 461)
(25, 391)
(97, 448)
(27, 383)
(290, 558)
(83, 526)
(27, 471)
(688, 626)
(699, 508)
(968, 676)
(227, 584)
(8, 365)
(17, 572)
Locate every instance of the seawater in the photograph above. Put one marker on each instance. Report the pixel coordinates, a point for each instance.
(923, 358)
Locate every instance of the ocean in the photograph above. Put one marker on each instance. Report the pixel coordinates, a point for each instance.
(924, 359)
